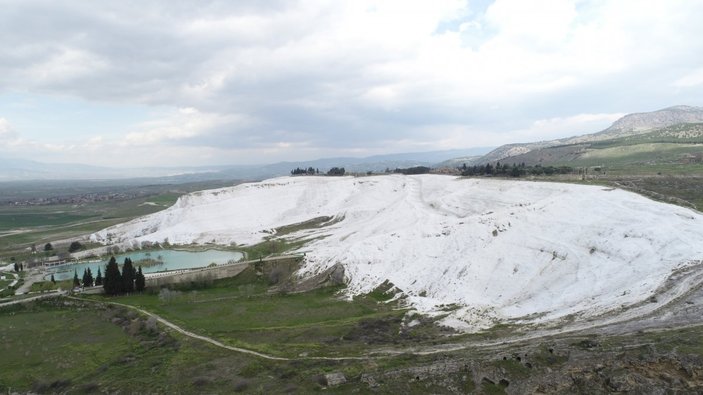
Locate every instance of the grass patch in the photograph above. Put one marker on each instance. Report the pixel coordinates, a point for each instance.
(241, 312)
(383, 292)
(688, 341)
(42, 286)
(309, 224)
(277, 244)
(270, 247)
(513, 368)
(492, 389)
(41, 345)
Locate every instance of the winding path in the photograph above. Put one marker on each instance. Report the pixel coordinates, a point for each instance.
(212, 341)
(688, 322)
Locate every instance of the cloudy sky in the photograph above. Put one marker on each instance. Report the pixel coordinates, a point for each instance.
(172, 83)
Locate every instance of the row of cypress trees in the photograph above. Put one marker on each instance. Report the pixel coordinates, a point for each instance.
(130, 280)
(88, 280)
(114, 282)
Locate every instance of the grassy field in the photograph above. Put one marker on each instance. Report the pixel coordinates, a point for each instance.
(66, 346)
(53, 347)
(240, 312)
(41, 345)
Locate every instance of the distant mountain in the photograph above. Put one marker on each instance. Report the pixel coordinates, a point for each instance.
(21, 169)
(671, 145)
(638, 122)
(13, 169)
(627, 126)
(376, 163)
(456, 162)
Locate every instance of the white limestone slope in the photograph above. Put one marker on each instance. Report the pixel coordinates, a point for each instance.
(498, 249)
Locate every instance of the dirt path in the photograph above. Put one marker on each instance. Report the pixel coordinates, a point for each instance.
(681, 306)
(380, 353)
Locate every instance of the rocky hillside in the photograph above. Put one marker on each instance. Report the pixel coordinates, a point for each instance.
(629, 125)
(656, 119)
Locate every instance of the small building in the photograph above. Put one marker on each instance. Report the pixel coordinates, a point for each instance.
(54, 261)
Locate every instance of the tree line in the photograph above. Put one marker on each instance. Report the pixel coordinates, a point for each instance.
(413, 170)
(516, 170)
(335, 171)
(308, 172)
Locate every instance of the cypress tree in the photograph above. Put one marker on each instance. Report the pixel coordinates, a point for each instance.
(128, 274)
(112, 282)
(99, 278)
(88, 278)
(52, 279)
(76, 282)
(140, 281)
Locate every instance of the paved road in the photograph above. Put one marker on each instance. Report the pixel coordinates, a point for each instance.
(43, 295)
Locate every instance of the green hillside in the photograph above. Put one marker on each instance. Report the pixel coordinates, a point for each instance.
(675, 150)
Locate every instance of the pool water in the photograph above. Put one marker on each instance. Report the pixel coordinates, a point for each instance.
(170, 260)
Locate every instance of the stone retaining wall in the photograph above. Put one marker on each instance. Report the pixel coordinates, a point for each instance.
(207, 274)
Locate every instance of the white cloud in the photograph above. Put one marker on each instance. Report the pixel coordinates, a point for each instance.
(692, 79)
(6, 131)
(186, 123)
(63, 65)
(536, 23)
(319, 77)
(554, 128)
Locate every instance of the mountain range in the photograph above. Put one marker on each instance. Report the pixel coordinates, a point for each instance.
(21, 169)
(681, 126)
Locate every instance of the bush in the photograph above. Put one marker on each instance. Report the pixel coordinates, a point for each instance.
(413, 170)
(75, 246)
(167, 296)
(336, 171)
(241, 385)
(276, 275)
